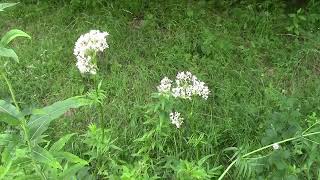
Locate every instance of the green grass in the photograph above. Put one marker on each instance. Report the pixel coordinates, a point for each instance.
(241, 53)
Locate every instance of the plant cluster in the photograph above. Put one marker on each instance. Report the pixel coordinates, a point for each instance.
(187, 128)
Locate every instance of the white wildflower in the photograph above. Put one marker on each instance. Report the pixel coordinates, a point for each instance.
(276, 146)
(86, 47)
(165, 85)
(188, 85)
(176, 119)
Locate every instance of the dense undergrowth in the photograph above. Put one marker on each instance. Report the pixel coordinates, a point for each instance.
(260, 60)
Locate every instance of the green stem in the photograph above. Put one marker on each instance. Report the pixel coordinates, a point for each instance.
(225, 172)
(101, 118)
(11, 90)
(310, 127)
(101, 122)
(265, 147)
(23, 125)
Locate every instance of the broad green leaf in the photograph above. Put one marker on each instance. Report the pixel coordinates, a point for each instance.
(43, 156)
(5, 52)
(39, 122)
(9, 113)
(6, 5)
(12, 34)
(71, 171)
(70, 157)
(57, 146)
(7, 118)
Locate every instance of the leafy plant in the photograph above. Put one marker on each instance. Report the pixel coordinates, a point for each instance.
(296, 22)
(25, 148)
(25, 151)
(190, 170)
(102, 151)
(288, 145)
(138, 171)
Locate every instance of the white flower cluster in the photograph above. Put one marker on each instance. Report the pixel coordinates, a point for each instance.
(86, 48)
(276, 146)
(189, 85)
(186, 86)
(176, 119)
(165, 85)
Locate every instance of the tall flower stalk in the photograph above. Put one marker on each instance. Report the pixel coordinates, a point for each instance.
(87, 50)
(185, 86)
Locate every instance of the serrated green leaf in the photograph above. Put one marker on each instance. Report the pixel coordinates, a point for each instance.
(43, 156)
(57, 146)
(6, 5)
(5, 52)
(12, 34)
(39, 122)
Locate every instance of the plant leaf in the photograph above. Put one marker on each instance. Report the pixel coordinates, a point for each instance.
(7, 118)
(71, 171)
(39, 122)
(12, 34)
(57, 146)
(43, 156)
(5, 52)
(9, 113)
(202, 160)
(6, 138)
(70, 157)
(6, 5)
(5, 170)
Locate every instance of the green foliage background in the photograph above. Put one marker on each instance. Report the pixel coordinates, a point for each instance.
(264, 79)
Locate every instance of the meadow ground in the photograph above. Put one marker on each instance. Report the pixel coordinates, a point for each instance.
(260, 74)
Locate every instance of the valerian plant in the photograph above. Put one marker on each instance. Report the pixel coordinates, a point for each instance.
(102, 152)
(170, 97)
(165, 119)
(88, 50)
(296, 21)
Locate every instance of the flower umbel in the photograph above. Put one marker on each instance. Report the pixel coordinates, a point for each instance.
(86, 49)
(176, 119)
(186, 86)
